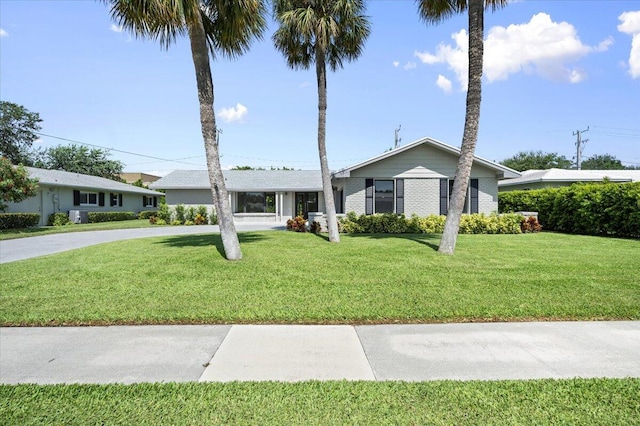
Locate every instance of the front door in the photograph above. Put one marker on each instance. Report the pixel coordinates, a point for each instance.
(306, 202)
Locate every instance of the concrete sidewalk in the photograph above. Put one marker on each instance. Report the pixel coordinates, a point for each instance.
(489, 351)
(26, 248)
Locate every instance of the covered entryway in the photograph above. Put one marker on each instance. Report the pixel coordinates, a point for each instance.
(305, 202)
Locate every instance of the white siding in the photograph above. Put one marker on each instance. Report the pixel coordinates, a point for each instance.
(189, 196)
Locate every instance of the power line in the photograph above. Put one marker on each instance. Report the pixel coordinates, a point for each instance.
(117, 150)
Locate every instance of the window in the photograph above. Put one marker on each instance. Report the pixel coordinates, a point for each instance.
(256, 202)
(88, 198)
(149, 201)
(115, 200)
(384, 196)
(470, 201)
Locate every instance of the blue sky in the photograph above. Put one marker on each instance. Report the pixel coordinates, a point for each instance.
(551, 68)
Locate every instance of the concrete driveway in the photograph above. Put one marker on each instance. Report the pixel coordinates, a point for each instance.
(26, 248)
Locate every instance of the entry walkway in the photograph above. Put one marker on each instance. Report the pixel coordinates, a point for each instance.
(488, 351)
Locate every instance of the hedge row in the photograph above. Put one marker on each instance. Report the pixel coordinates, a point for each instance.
(18, 220)
(95, 217)
(592, 209)
(390, 223)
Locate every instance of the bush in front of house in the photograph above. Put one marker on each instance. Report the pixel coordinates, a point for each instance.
(610, 209)
(147, 214)
(389, 223)
(59, 219)
(297, 224)
(97, 217)
(18, 220)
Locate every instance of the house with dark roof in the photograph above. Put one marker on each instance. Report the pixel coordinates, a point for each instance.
(538, 179)
(60, 192)
(416, 178)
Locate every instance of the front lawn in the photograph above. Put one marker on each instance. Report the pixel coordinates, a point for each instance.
(8, 234)
(300, 278)
(536, 402)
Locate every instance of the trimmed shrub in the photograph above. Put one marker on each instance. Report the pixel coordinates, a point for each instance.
(315, 227)
(297, 224)
(607, 209)
(97, 217)
(200, 220)
(204, 213)
(164, 213)
(180, 214)
(58, 219)
(148, 214)
(190, 214)
(398, 224)
(18, 220)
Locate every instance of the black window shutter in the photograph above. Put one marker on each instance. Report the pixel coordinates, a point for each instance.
(368, 202)
(76, 197)
(111, 203)
(474, 196)
(399, 196)
(120, 200)
(101, 199)
(155, 201)
(444, 196)
(144, 201)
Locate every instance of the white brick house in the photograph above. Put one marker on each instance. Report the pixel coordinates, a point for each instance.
(411, 179)
(417, 179)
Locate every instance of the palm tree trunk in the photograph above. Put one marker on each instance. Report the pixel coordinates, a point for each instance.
(471, 124)
(200, 55)
(327, 188)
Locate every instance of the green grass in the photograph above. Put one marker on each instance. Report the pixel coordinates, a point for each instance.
(8, 234)
(537, 402)
(300, 278)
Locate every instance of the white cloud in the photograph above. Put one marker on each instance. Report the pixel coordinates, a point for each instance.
(233, 114)
(3, 33)
(396, 64)
(541, 47)
(444, 83)
(304, 84)
(631, 25)
(116, 28)
(409, 66)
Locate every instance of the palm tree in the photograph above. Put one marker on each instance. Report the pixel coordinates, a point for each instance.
(224, 26)
(435, 11)
(321, 32)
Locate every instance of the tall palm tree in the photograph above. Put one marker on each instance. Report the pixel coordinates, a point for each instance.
(321, 32)
(213, 26)
(435, 11)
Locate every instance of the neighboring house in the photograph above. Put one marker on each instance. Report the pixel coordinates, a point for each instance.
(413, 179)
(537, 179)
(145, 178)
(418, 179)
(255, 195)
(60, 191)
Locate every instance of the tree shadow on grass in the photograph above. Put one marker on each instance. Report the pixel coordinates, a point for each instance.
(429, 240)
(208, 240)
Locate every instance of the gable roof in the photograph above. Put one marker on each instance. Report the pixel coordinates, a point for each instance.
(245, 180)
(501, 171)
(564, 175)
(78, 180)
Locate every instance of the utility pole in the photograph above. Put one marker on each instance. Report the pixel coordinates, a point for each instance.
(580, 146)
(397, 139)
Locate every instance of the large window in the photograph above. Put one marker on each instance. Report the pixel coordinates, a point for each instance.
(88, 198)
(256, 202)
(384, 196)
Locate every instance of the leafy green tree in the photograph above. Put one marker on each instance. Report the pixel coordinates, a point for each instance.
(602, 162)
(18, 127)
(15, 183)
(435, 11)
(321, 32)
(80, 159)
(213, 26)
(536, 160)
